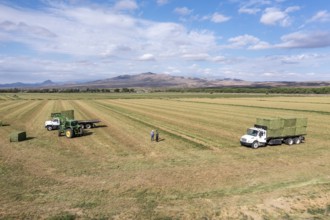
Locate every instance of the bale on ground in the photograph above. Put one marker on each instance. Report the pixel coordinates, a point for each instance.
(18, 136)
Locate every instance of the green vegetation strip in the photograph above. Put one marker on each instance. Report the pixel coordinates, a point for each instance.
(261, 107)
(184, 137)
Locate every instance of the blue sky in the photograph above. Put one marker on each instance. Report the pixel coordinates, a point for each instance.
(82, 40)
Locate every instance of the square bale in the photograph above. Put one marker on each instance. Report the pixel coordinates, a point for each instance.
(69, 114)
(301, 130)
(289, 131)
(271, 123)
(18, 136)
(275, 132)
(301, 122)
(290, 122)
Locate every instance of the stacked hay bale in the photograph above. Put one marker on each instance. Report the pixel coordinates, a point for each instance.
(69, 114)
(18, 136)
(281, 127)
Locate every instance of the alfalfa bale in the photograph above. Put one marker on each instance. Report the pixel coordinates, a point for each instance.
(301, 122)
(275, 132)
(289, 131)
(301, 130)
(271, 123)
(69, 114)
(290, 122)
(18, 136)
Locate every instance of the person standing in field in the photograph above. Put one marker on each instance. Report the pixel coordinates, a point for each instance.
(152, 134)
(157, 136)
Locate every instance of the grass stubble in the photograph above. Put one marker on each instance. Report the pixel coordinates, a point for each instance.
(197, 171)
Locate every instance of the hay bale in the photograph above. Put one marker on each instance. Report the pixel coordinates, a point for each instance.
(289, 131)
(55, 114)
(290, 122)
(69, 114)
(1, 123)
(301, 130)
(275, 132)
(271, 123)
(18, 136)
(301, 122)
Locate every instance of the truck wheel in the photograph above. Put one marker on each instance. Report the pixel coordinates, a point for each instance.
(297, 140)
(88, 126)
(69, 133)
(255, 145)
(82, 125)
(49, 128)
(81, 131)
(289, 141)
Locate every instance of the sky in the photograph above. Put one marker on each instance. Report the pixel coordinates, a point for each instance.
(85, 40)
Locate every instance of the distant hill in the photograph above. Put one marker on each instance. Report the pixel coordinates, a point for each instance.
(46, 83)
(153, 80)
(160, 80)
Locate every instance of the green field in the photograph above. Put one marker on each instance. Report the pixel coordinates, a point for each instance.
(198, 170)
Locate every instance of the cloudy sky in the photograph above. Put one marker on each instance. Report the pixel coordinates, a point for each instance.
(82, 40)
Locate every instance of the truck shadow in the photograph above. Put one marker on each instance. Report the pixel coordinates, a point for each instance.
(101, 126)
(87, 133)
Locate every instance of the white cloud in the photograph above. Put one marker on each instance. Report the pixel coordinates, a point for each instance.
(250, 11)
(248, 41)
(183, 11)
(321, 16)
(162, 2)
(274, 16)
(196, 57)
(129, 5)
(147, 57)
(219, 18)
(305, 40)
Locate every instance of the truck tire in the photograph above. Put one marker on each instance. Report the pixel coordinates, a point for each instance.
(297, 140)
(81, 131)
(69, 133)
(82, 125)
(289, 141)
(49, 128)
(88, 126)
(255, 145)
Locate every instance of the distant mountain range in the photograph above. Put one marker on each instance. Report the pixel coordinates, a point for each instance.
(153, 80)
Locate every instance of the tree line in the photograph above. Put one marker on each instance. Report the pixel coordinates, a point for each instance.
(277, 90)
(69, 90)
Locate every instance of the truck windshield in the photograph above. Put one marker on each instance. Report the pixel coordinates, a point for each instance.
(252, 132)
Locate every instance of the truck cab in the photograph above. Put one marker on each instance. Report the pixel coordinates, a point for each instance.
(52, 124)
(254, 137)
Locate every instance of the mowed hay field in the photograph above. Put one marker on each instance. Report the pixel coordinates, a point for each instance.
(198, 170)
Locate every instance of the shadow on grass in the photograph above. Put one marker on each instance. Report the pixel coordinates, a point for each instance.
(101, 126)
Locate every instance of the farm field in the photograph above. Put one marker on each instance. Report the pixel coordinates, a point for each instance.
(198, 170)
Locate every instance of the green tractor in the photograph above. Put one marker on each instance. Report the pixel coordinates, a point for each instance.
(70, 128)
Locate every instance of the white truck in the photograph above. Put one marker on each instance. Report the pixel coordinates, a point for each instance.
(54, 123)
(275, 131)
(58, 118)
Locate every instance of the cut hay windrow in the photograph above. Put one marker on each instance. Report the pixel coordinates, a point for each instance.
(18, 136)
